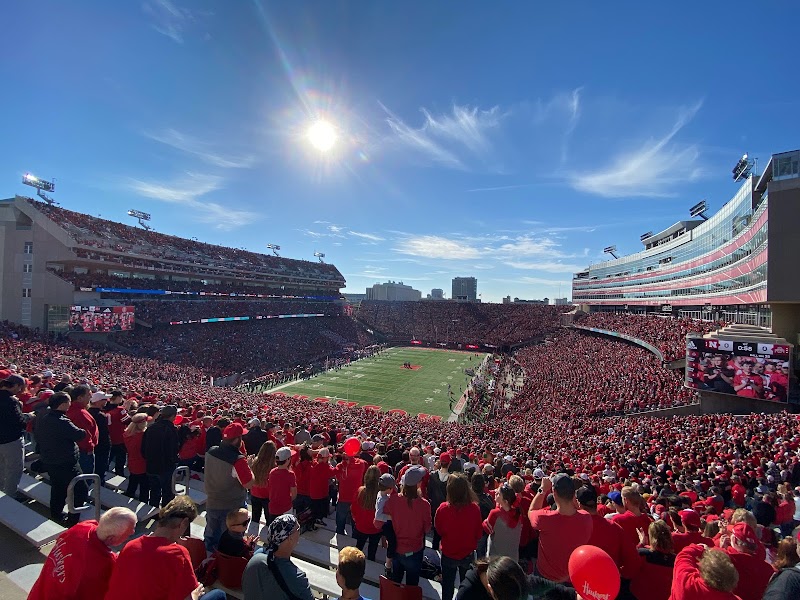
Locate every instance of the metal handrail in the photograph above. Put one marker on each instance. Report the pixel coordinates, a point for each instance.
(95, 490)
(181, 474)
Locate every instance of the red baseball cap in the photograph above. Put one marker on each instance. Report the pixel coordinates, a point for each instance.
(233, 430)
(690, 518)
(745, 533)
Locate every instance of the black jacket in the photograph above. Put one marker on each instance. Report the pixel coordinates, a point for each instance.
(471, 588)
(253, 440)
(213, 437)
(11, 422)
(785, 585)
(55, 438)
(160, 447)
(101, 418)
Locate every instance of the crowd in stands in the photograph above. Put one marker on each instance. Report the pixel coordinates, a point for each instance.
(101, 279)
(166, 311)
(108, 235)
(461, 322)
(647, 490)
(668, 334)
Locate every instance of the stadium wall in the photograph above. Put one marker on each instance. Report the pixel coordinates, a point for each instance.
(627, 338)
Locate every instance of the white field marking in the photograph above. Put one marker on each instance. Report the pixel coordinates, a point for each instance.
(449, 376)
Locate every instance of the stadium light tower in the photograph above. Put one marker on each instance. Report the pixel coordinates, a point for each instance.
(743, 167)
(644, 236)
(41, 186)
(274, 248)
(142, 217)
(699, 210)
(612, 250)
(320, 256)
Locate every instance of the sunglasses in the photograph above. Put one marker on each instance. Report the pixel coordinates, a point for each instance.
(244, 524)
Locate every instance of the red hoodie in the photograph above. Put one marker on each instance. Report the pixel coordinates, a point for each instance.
(82, 419)
(686, 581)
(350, 473)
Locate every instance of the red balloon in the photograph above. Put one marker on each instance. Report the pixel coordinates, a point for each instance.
(351, 446)
(593, 573)
(178, 420)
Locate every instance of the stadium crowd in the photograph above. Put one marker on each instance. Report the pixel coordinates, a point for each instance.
(462, 322)
(668, 334)
(686, 507)
(166, 311)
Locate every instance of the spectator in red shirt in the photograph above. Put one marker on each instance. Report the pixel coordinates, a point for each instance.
(657, 562)
(118, 419)
(320, 472)
(633, 519)
(262, 465)
(350, 474)
(137, 466)
(411, 519)
(363, 509)
(703, 574)
(282, 485)
(692, 535)
(77, 413)
(458, 521)
(80, 563)
(754, 572)
(155, 566)
(561, 530)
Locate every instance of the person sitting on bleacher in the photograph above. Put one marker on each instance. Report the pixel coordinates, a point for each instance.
(80, 564)
(155, 567)
(350, 573)
(271, 572)
(56, 439)
(234, 542)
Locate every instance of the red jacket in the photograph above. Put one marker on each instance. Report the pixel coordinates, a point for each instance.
(82, 419)
(686, 581)
(319, 480)
(461, 528)
(681, 540)
(754, 574)
(350, 473)
(78, 567)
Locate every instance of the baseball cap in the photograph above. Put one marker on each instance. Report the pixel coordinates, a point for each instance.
(283, 454)
(563, 485)
(254, 422)
(233, 431)
(413, 475)
(538, 474)
(745, 533)
(615, 497)
(317, 438)
(690, 518)
(587, 496)
(444, 458)
(387, 480)
(100, 397)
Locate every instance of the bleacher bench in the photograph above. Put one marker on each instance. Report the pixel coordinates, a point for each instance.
(36, 528)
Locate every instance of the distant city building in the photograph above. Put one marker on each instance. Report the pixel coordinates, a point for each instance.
(465, 289)
(392, 291)
(542, 301)
(507, 300)
(437, 294)
(561, 301)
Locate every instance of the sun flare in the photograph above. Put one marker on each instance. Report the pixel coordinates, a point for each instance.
(322, 135)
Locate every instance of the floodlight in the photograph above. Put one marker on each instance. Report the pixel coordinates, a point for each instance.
(743, 168)
(644, 236)
(274, 248)
(611, 250)
(699, 210)
(320, 256)
(141, 217)
(41, 185)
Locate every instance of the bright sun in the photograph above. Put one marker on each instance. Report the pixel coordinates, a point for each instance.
(322, 135)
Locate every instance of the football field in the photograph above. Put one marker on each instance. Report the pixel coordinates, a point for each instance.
(382, 381)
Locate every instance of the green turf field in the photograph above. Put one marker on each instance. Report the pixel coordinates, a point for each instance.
(382, 381)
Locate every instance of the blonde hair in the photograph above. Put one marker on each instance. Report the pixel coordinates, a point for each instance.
(660, 537)
(351, 567)
(718, 571)
(233, 517)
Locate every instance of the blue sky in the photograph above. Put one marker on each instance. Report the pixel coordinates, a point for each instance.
(508, 141)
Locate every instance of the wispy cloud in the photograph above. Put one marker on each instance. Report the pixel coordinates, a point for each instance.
(187, 192)
(501, 188)
(167, 18)
(202, 150)
(549, 266)
(454, 140)
(366, 236)
(434, 246)
(650, 170)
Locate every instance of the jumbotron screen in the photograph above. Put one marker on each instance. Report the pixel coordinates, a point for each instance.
(746, 369)
(101, 318)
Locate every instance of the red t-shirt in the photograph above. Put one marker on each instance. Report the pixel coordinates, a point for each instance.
(364, 518)
(66, 574)
(137, 465)
(748, 391)
(610, 537)
(151, 568)
(460, 528)
(410, 523)
(754, 574)
(319, 476)
(559, 535)
(281, 481)
(630, 523)
(350, 474)
(118, 419)
(686, 581)
(302, 473)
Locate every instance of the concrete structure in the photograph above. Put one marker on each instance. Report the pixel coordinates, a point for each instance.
(465, 289)
(545, 301)
(561, 301)
(44, 248)
(739, 265)
(437, 294)
(393, 291)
